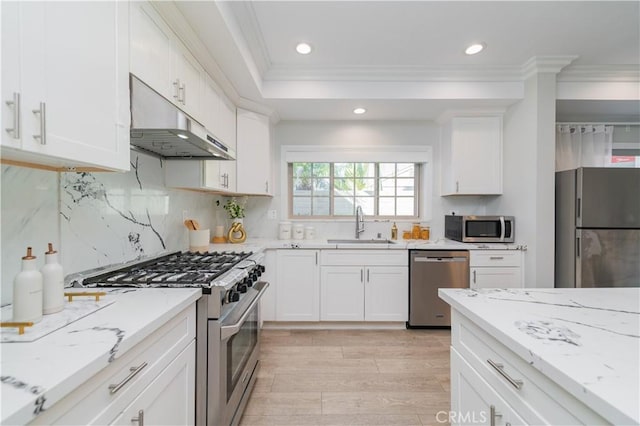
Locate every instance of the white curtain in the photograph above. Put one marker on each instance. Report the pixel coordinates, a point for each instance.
(583, 146)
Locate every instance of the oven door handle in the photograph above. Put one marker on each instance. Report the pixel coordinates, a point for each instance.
(227, 331)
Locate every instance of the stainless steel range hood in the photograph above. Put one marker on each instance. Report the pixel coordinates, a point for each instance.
(158, 127)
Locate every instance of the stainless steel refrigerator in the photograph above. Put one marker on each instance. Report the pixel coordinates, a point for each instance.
(597, 228)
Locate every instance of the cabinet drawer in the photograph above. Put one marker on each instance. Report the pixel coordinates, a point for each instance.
(536, 398)
(488, 277)
(364, 257)
(95, 403)
(494, 258)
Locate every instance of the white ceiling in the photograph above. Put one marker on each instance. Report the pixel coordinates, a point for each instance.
(404, 59)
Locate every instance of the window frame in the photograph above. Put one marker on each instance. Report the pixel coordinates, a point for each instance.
(417, 200)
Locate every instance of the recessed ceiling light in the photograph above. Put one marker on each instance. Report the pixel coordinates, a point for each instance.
(474, 48)
(359, 111)
(303, 48)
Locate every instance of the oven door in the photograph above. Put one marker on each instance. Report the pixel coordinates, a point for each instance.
(235, 361)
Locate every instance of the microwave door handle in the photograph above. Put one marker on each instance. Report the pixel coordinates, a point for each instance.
(502, 228)
(227, 331)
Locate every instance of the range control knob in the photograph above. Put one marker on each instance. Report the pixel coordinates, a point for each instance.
(254, 277)
(248, 282)
(234, 296)
(262, 268)
(258, 271)
(242, 288)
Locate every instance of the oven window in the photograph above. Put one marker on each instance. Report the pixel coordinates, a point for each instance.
(239, 349)
(483, 228)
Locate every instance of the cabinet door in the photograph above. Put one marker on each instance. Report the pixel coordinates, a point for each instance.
(227, 122)
(12, 128)
(268, 300)
(170, 398)
(151, 52)
(342, 293)
(495, 277)
(253, 153)
(191, 77)
(386, 293)
(474, 156)
(298, 290)
(211, 107)
(474, 401)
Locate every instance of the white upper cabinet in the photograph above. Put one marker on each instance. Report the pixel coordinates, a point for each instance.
(160, 60)
(206, 175)
(219, 114)
(253, 153)
(472, 156)
(65, 83)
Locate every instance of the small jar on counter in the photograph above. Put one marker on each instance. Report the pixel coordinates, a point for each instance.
(415, 231)
(284, 230)
(425, 233)
(298, 231)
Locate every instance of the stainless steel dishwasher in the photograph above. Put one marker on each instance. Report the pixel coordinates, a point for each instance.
(430, 270)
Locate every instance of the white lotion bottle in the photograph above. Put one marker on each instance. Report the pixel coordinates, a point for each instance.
(27, 291)
(53, 283)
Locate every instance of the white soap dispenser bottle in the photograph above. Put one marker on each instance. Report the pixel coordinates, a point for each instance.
(27, 291)
(53, 283)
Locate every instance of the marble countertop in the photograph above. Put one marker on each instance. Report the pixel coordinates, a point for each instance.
(437, 244)
(36, 375)
(585, 340)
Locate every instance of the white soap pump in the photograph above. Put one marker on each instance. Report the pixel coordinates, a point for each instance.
(27, 291)
(53, 283)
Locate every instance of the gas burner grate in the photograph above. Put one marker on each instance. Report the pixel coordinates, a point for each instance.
(179, 269)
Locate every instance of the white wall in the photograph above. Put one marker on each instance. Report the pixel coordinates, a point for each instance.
(340, 134)
(529, 177)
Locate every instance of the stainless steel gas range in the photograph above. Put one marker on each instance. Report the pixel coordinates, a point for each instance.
(227, 328)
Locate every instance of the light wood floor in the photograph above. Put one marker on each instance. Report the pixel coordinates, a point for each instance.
(351, 377)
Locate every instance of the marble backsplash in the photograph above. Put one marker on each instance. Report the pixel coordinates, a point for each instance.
(95, 219)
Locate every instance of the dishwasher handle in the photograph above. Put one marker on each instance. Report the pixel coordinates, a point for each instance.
(439, 259)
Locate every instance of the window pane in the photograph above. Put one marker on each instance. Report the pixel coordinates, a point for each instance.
(343, 186)
(302, 169)
(365, 187)
(367, 204)
(365, 170)
(321, 169)
(406, 169)
(301, 187)
(406, 187)
(405, 207)
(387, 206)
(343, 169)
(387, 187)
(343, 206)
(387, 169)
(321, 187)
(302, 206)
(321, 206)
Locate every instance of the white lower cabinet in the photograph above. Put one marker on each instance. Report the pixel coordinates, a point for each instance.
(156, 376)
(493, 385)
(297, 290)
(270, 275)
(495, 269)
(353, 289)
(169, 399)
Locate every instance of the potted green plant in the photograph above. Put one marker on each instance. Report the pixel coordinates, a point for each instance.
(235, 209)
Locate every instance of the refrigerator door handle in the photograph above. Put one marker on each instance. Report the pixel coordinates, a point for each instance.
(577, 246)
(578, 207)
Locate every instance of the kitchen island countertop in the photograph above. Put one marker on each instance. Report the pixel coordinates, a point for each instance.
(38, 374)
(586, 340)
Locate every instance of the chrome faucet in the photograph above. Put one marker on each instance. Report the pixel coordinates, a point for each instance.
(359, 222)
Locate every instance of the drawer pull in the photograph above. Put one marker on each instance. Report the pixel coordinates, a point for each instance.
(500, 368)
(134, 370)
(496, 257)
(493, 414)
(139, 419)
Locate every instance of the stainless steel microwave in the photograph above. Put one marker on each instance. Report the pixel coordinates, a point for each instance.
(480, 229)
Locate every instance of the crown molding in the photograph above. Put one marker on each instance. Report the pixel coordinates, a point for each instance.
(617, 73)
(475, 112)
(245, 16)
(545, 64)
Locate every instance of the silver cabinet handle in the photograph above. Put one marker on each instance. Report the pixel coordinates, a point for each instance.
(500, 368)
(133, 371)
(367, 275)
(139, 419)
(474, 276)
(316, 258)
(176, 89)
(361, 275)
(15, 103)
(266, 186)
(493, 414)
(457, 186)
(43, 123)
(496, 257)
(183, 89)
